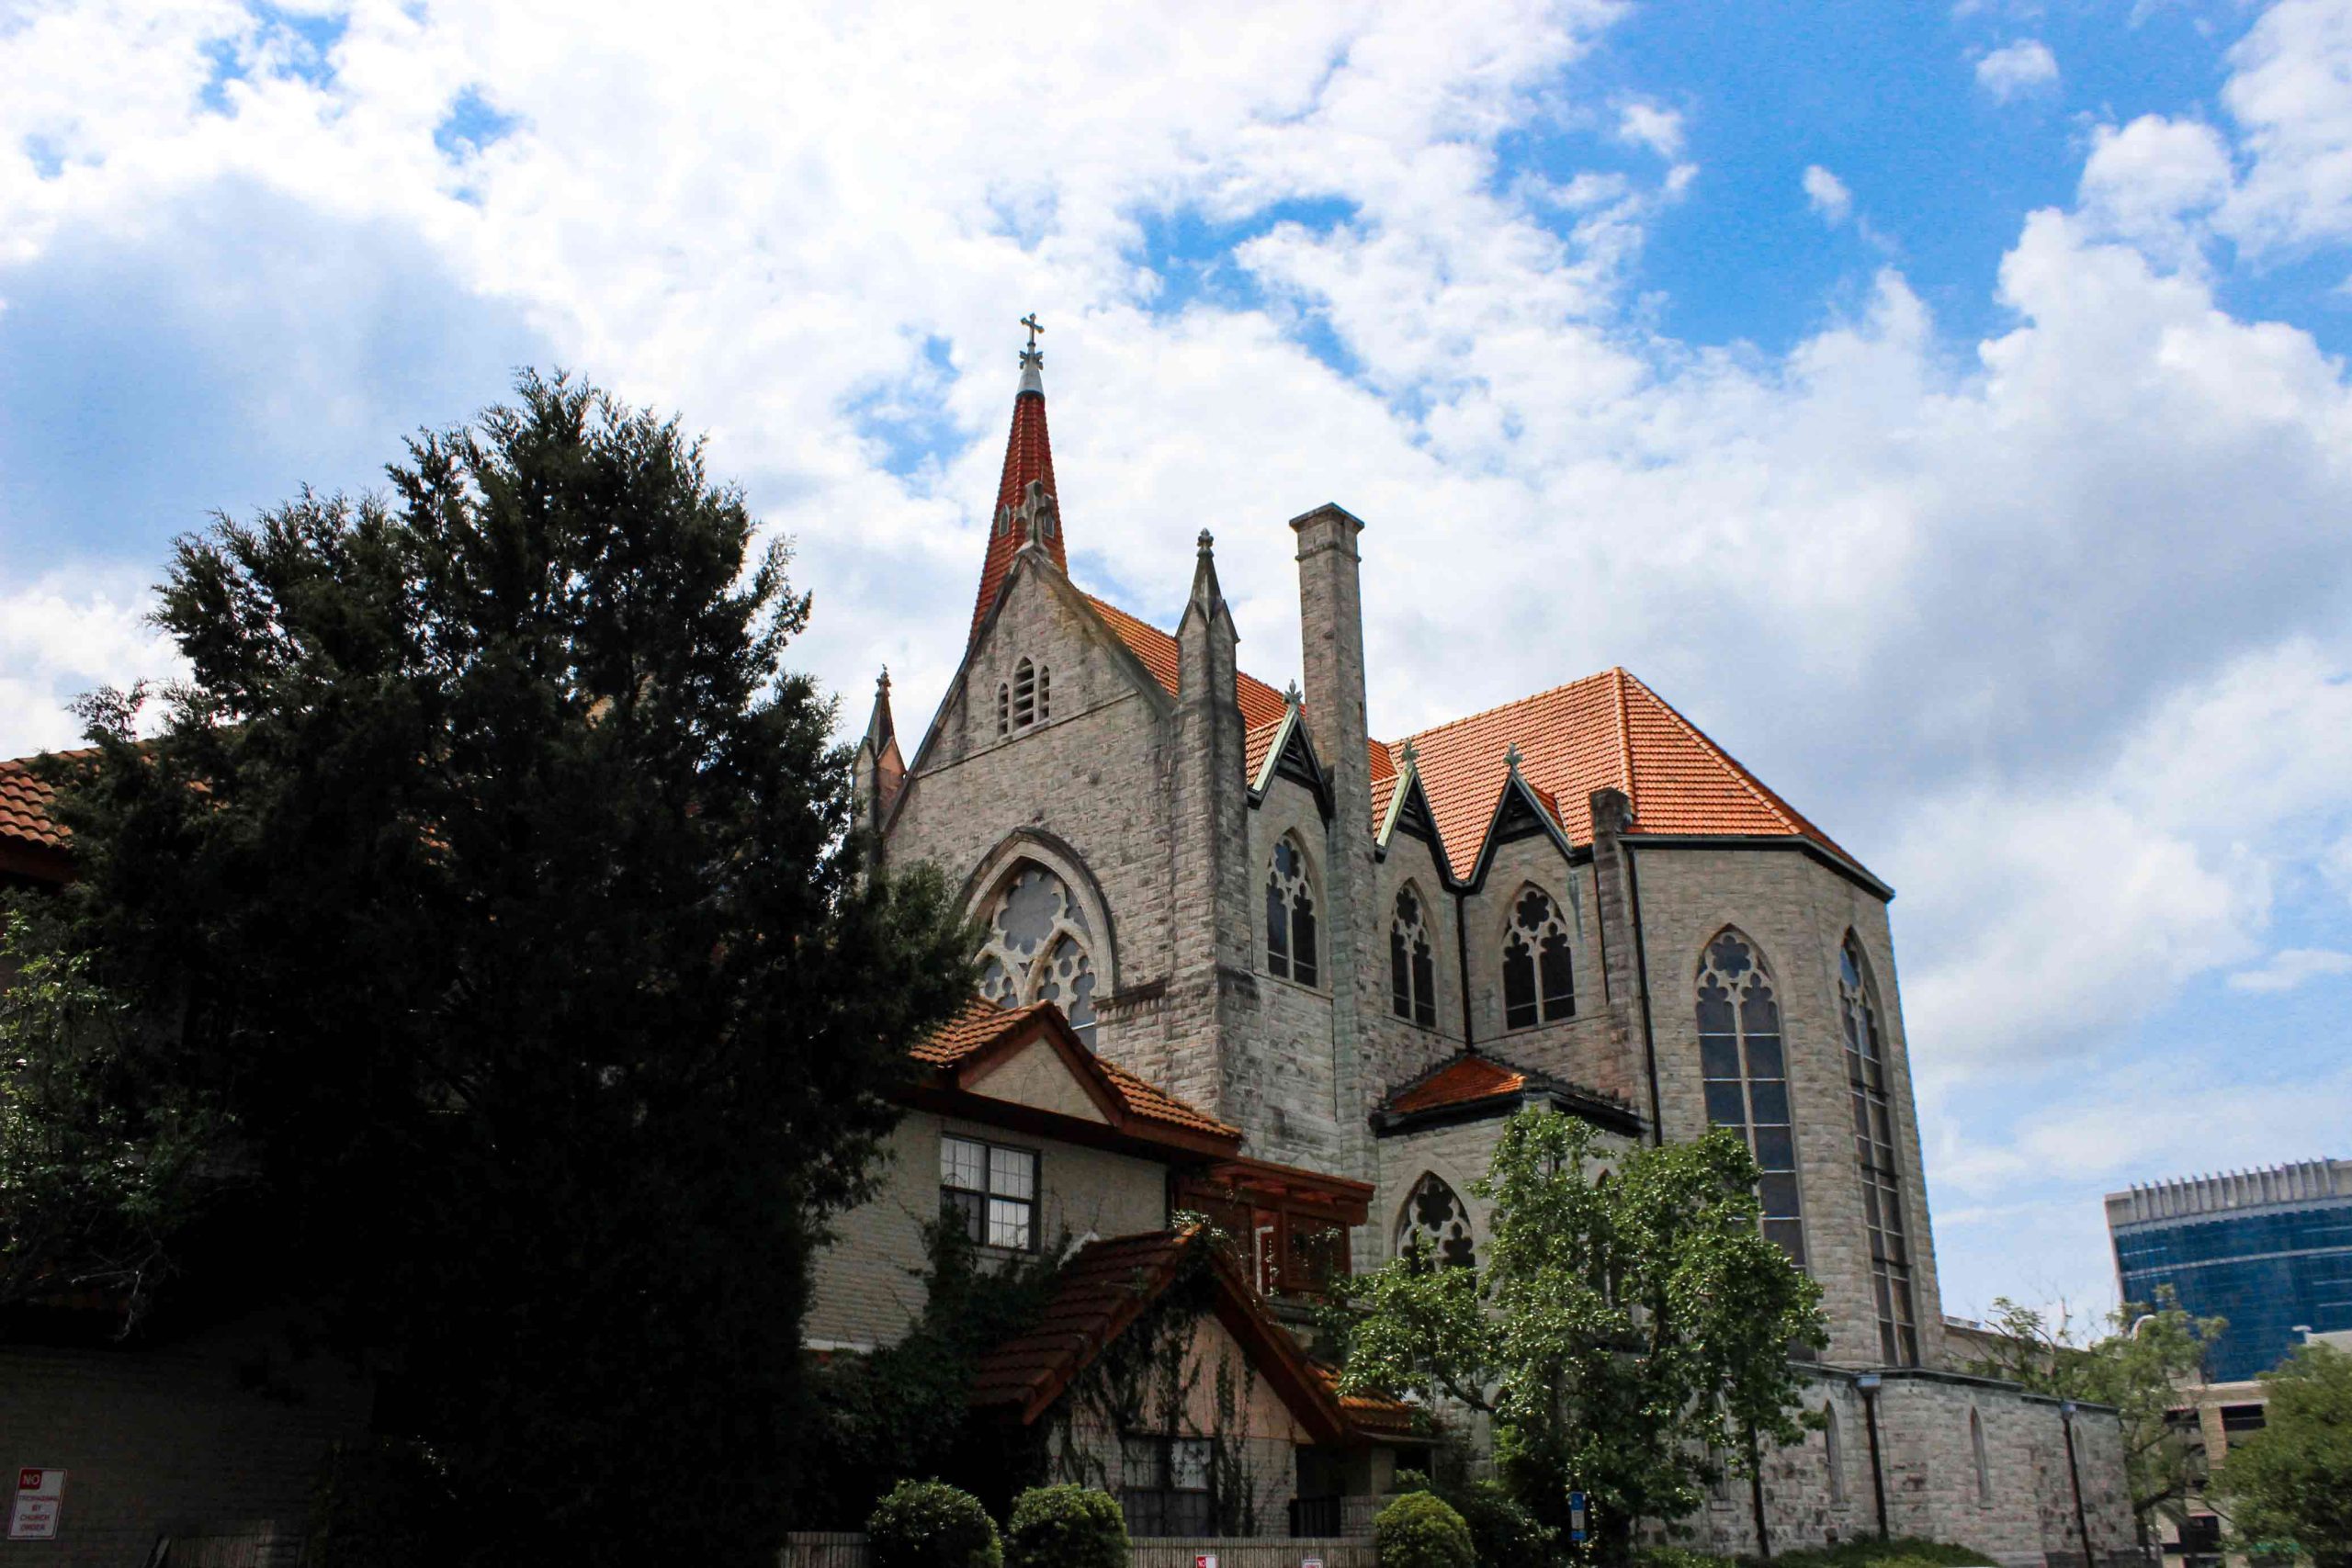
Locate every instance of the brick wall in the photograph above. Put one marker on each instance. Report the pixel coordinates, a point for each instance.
(166, 1439)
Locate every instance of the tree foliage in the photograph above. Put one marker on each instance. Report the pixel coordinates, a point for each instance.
(2138, 1365)
(492, 885)
(2288, 1487)
(1618, 1332)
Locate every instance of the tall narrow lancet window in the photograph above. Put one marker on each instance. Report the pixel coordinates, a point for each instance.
(1746, 1077)
(1539, 980)
(1024, 695)
(1039, 949)
(1045, 692)
(1412, 967)
(1290, 915)
(1004, 708)
(1976, 1452)
(1833, 1456)
(1874, 1154)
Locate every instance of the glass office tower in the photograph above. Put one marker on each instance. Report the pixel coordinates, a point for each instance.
(2270, 1250)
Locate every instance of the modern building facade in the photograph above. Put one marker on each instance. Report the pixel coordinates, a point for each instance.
(2270, 1250)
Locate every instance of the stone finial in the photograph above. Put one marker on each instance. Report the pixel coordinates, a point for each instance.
(1292, 694)
(1207, 541)
(1411, 756)
(1512, 757)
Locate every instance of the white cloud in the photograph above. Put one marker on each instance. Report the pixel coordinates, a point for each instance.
(66, 636)
(1827, 194)
(1648, 125)
(2291, 967)
(2150, 181)
(2016, 68)
(2290, 92)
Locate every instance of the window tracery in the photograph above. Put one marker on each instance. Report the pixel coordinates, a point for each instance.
(1743, 1074)
(1875, 1155)
(1290, 915)
(1039, 949)
(1434, 1221)
(1539, 980)
(1412, 964)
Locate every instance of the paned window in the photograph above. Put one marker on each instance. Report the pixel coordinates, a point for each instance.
(1164, 1486)
(1874, 1155)
(1290, 915)
(1039, 949)
(991, 1190)
(1412, 966)
(1435, 1222)
(1538, 981)
(1745, 1076)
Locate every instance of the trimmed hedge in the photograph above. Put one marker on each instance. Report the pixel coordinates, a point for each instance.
(929, 1524)
(1419, 1529)
(1065, 1527)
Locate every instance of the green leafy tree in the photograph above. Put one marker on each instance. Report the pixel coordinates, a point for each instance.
(2289, 1487)
(494, 887)
(2138, 1364)
(1617, 1331)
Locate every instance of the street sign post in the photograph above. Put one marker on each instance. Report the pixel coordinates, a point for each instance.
(1578, 1530)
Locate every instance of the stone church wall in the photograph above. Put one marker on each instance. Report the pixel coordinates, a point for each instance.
(1797, 913)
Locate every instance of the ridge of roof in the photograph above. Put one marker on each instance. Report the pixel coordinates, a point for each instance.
(981, 1025)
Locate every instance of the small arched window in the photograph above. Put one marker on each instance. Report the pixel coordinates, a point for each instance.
(1004, 708)
(1038, 949)
(1045, 694)
(1434, 1221)
(1745, 1078)
(1412, 967)
(1290, 915)
(1875, 1155)
(1539, 980)
(1976, 1451)
(1834, 1457)
(1025, 692)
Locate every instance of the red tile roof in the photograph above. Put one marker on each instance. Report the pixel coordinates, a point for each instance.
(1605, 731)
(1101, 1292)
(24, 807)
(1028, 455)
(982, 1025)
(1372, 1412)
(1462, 1080)
(1261, 704)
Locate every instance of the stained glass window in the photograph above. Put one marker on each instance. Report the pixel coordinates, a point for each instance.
(1744, 1075)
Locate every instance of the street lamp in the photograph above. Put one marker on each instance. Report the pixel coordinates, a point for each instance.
(2075, 1478)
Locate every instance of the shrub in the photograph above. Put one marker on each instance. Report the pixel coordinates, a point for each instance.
(1502, 1534)
(1903, 1552)
(928, 1524)
(1419, 1530)
(1410, 1480)
(1065, 1527)
(1678, 1557)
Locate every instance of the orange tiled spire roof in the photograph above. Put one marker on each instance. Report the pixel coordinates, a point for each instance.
(1028, 460)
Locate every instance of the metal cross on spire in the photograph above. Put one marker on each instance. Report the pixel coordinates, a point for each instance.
(1029, 320)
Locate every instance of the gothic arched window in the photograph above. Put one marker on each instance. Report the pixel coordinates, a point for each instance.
(1412, 966)
(1290, 915)
(1833, 1455)
(1874, 1146)
(1745, 1079)
(1538, 981)
(1976, 1451)
(1435, 1220)
(1039, 949)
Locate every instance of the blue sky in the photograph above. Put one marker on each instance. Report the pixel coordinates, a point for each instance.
(1944, 407)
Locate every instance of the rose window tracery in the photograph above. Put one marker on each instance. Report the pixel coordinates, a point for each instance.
(1435, 1220)
(1040, 950)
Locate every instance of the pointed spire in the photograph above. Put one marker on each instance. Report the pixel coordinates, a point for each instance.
(1206, 597)
(879, 729)
(1027, 481)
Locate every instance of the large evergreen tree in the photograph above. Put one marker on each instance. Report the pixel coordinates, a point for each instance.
(499, 888)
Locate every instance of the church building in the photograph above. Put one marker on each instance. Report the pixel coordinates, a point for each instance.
(1362, 954)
